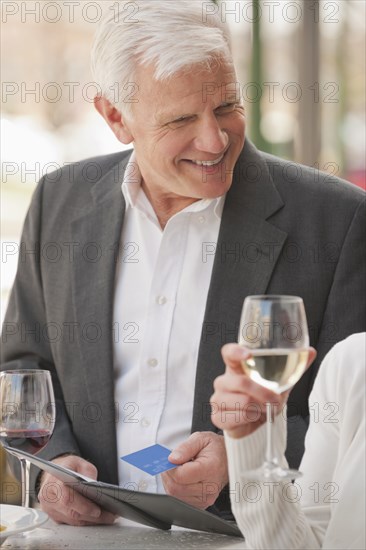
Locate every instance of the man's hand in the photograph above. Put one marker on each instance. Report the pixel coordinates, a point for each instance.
(63, 504)
(239, 404)
(203, 473)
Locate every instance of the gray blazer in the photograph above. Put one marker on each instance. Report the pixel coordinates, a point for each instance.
(286, 229)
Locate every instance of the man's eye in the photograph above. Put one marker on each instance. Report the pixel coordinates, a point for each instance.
(178, 122)
(226, 108)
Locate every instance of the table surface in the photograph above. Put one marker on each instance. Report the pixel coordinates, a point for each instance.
(123, 534)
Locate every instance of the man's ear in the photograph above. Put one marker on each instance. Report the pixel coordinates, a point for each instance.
(114, 119)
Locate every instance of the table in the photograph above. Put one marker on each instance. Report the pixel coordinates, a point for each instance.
(123, 534)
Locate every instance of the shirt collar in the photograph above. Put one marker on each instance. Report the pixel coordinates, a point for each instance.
(131, 189)
(131, 184)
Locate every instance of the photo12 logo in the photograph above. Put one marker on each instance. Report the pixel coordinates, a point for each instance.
(68, 11)
(269, 11)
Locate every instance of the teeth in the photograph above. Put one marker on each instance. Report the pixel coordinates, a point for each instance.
(208, 162)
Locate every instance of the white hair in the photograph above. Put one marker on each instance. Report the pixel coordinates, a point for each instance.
(171, 35)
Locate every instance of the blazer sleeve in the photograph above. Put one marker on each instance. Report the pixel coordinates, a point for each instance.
(24, 342)
(345, 312)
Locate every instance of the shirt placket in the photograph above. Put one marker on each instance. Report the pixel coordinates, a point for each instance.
(155, 346)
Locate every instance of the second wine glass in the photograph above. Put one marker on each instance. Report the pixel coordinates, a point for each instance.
(27, 415)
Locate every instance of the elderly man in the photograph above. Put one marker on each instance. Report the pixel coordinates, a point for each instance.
(131, 317)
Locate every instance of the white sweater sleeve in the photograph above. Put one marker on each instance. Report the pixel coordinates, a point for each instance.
(268, 513)
(326, 507)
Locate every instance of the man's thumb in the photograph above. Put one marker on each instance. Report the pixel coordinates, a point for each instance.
(188, 450)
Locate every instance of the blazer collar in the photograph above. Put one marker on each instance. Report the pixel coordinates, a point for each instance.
(109, 186)
(253, 188)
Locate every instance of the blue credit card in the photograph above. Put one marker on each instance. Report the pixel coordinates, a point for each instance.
(152, 460)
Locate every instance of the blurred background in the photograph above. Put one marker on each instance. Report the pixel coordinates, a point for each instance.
(300, 66)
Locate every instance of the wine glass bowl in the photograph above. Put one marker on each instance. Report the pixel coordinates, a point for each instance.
(274, 330)
(276, 370)
(27, 414)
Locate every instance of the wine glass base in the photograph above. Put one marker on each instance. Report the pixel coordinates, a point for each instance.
(271, 472)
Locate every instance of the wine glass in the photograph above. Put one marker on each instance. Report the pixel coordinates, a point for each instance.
(27, 415)
(274, 330)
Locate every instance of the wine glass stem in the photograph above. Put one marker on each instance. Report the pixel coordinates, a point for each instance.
(24, 467)
(269, 450)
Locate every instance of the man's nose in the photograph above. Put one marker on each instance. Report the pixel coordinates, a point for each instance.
(211, 138)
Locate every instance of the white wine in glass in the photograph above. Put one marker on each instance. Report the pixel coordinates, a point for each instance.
(276, 369)
(274, 330)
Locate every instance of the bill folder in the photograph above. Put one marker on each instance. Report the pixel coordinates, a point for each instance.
(151, 509)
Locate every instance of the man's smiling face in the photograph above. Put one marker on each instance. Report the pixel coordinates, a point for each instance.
(188, 132)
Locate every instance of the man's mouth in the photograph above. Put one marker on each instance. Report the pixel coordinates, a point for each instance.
(208, 162)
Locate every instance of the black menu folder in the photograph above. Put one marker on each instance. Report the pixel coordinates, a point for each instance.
(151, 509)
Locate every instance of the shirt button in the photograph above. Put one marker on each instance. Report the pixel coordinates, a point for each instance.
(161, 300)
(143, 485)
(152, 362)
(201, 219)
(145, 422)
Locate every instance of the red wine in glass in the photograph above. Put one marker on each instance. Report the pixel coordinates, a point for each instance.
(30, 441)
(27, 415)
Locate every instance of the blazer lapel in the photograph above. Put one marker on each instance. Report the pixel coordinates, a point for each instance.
(247, 250)
(98, 233)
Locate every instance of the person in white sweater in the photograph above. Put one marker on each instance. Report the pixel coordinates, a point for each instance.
(325, 508)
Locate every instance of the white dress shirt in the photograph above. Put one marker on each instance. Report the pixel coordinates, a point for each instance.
(161, 287)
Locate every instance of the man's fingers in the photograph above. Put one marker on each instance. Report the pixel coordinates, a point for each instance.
(185, 491)
(201, 494)
(199, 481)
(65, 505)
(186, 474)
(76, 520)
(87, 469)
(105, 518)
(63, 498)
(188, 449)
(77, 464)
(86, 509)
